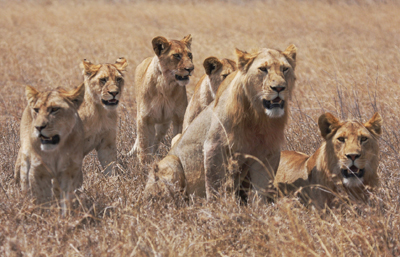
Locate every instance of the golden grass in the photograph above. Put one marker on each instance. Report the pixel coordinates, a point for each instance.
(348, 64)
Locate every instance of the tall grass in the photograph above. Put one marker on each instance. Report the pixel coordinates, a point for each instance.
(348, 64)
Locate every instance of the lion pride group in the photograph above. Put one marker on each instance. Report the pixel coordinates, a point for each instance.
(231, 130)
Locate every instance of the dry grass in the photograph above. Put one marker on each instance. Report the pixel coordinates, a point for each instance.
(348, 64)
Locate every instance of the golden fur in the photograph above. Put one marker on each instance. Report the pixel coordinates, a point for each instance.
(161, 93)
(346, 162)
(243, 127)
(51, 153)
(206, 89)
(104, 85)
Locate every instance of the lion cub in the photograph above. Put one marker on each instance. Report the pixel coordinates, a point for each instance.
(161, 93)
(346, 162)
(206, 89)
(51, 153)
(104, 85)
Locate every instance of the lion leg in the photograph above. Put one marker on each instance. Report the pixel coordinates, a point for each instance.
(161, 130)
(67, 182)
(166, 179)
(145, 133)
(262, 177)
(107, 153)
(22, 169)
(40, 184)
(177, 123)
(215, 174)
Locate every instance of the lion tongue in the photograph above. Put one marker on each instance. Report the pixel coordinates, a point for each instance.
(277, 100)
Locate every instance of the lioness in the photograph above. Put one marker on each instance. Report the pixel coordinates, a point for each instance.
(245, 123)
(161, 93)
(51, 144)
(206, 89)
(347, 161)
(104, 85)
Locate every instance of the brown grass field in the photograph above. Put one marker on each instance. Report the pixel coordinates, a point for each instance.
(348, 64)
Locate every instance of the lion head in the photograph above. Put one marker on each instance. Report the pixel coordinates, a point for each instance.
(271, 76)
(353, 149)
(54, 115)
(175, 58)
(105, 82)
(217, 70)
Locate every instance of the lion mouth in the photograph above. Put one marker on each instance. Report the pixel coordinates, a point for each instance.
(353, 171)
(275, 103)
(110, 102)
(49, 140)
(177, 77)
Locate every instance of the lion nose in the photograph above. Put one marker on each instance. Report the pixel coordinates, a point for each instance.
(39, 128)
(278, 89)
(353, 157)
(190, 69)
(113, 93)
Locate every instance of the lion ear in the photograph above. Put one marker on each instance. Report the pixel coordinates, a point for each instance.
(187, 40)
(211, 64)
(290, 54)
(76, 95)
(89, 68)
(121, 64)
(374, 125)
(160, 45)
(244, 59)
(327, 123)
(31, 94)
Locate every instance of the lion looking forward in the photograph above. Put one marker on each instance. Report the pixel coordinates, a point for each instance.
(245, 123)
(161, 93)
(346, 162)
(50, 158)
(104, 85)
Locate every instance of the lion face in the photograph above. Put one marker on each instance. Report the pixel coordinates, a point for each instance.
(355, 147)
(106, 82)
(217, 70)
(54, 115)
(271, 73)
(175, 58)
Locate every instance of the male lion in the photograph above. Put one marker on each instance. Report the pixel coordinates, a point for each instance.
(346, 162)
(245, 124)
(51, 153)
(104, 84)
(161, 93)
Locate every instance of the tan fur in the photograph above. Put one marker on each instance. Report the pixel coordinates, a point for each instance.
(44, 169)
(206, 89)
(103, 82)
(160, 94)
(238, 129)
(346, 144)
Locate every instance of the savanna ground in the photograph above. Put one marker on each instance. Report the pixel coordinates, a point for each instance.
(348, 64)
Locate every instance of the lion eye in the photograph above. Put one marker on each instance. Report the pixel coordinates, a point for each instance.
(190, 56)
(264, 69)
(224, 76)
(103, 80)
(177, 56)
(36, 110)
(363, 139)
(341, 139)
(119, 80)
(54, 109)
(285, 69)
